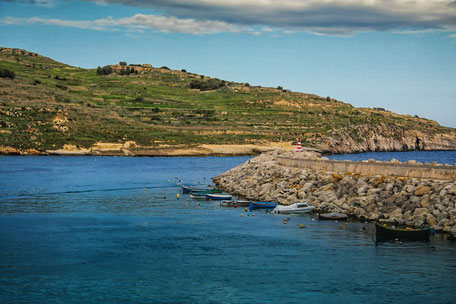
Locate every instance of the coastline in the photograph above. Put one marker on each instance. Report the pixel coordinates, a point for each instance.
(131, 149)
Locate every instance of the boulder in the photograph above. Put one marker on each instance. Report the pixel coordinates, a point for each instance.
(396, 214)
(422, 190)
(425, 201)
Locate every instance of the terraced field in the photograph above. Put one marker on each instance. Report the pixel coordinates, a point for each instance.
(49, 104)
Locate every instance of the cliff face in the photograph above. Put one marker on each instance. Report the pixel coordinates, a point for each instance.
(367, 138)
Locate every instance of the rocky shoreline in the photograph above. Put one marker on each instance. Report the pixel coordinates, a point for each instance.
(392, 199)
(130, 148)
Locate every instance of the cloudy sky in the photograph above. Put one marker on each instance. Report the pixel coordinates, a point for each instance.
(395, 54)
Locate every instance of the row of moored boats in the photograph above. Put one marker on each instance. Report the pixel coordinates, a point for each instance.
(228, 201)
(383, 232)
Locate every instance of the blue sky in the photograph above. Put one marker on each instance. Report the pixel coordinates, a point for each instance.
(395, 54)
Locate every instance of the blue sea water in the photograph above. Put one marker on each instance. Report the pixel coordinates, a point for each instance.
(84, 230)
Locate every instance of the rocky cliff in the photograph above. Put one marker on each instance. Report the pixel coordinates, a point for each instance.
(383, 137)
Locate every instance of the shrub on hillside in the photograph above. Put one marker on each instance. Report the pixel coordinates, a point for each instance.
(207, 85)
(5, 73)
(106, 70)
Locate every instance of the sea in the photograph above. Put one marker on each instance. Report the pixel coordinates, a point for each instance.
(120, 230)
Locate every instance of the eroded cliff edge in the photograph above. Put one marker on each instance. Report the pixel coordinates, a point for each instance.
(402, 200)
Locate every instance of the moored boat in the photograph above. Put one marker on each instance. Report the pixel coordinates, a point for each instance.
(187, 189)
(385, 233)
(263, 205)
(332, 216)
(294, 208)
(235, 204)
(197, 196)
(218, 196)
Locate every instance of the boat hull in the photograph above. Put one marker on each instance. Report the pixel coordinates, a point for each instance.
(235, 204)
(332, 216)
(218, 197)
(187, 189)
(293, 211)
(386, 233)
(263, 205)
(296, 208)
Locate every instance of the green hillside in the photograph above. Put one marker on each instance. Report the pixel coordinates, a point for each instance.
(49, 104)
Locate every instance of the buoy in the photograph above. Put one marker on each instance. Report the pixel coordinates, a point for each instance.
(178, 196)
(245, 209)
(144, 189)
(341, 227)
(346, 224)
(302, 226)
(253, 214)
(242, 214)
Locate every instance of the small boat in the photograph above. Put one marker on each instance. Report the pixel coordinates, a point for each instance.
(231, 204)
(197, 196)
(385, 233)
(332, 216)
(243, 203)
(294, 208)
(218, 196)
(235, 204)
(187, 189)
(263, 205)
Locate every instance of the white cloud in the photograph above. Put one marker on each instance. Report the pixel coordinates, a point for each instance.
(339, 17)
(323, 17)
(139, 22)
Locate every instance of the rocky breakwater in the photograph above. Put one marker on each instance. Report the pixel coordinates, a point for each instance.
(395, 199)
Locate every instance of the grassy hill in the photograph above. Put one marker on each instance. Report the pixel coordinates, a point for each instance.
(49, 104)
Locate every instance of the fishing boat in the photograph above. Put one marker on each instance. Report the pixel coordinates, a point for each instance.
(218, 196)
(263, 205)
(294, 208)
(187, 189)
(385, 233)
(243, 203)
(235, 204)
(197, 196)
(332, 216)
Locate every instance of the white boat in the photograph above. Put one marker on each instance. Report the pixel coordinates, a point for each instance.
(218, 196)
(198, 196)
(294, 208)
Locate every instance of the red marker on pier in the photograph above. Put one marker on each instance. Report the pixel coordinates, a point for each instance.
(299, 149)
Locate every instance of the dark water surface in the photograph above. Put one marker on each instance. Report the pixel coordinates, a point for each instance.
(83, 230)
